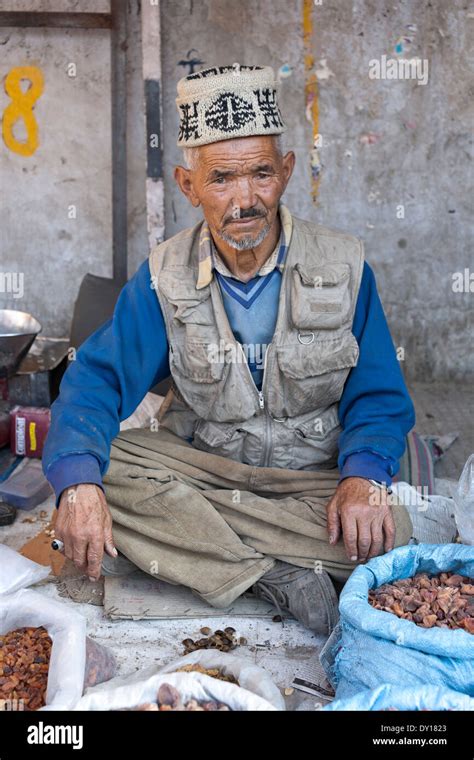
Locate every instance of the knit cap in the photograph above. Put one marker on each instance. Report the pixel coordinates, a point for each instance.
(223, 102)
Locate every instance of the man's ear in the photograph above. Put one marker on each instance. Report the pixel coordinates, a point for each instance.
(184, 181)
(288, 165)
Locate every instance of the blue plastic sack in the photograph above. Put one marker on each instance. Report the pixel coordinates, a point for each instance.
(372, 647)
(419, 698)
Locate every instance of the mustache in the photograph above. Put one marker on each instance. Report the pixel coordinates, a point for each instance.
(245, 214)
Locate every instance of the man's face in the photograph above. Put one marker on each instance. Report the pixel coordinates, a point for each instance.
(239, 184)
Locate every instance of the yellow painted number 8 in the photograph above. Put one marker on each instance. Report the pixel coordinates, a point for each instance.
(21, 107)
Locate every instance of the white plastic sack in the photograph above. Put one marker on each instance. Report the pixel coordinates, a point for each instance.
(189, 685)
(249, 676)
(18, 572)
(23, 608)
(432, 516)
(464, 503)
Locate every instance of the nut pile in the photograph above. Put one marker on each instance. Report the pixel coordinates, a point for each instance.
(443, 601)
(213, 672)
(24, 664)
(224, 641)
(169, 699)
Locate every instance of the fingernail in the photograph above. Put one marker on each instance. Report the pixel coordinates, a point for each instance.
(114, 552)
(353, 559)
(91, 579)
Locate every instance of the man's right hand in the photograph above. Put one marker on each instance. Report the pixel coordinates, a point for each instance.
(84, 524)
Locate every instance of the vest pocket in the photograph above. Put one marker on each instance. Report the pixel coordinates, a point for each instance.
(198, 378)
(187, 304)
(320, 296)
(314, 374)
(224, 439)
(315, 441)
(197, 360)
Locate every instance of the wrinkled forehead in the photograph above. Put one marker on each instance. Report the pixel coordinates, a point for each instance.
(243, 153)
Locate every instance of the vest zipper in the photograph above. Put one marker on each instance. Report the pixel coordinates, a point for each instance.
(267, 443)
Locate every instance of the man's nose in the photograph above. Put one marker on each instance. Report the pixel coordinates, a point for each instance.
(245, 196)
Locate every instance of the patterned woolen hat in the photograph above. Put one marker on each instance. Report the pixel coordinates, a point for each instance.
(225, 102)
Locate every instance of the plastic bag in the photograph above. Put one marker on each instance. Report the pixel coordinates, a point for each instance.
(18, 572)
(388, 697)
(71, 667)
(249, 676)
(464, 503)
(100, 666)
(372, 647)
(190, 686)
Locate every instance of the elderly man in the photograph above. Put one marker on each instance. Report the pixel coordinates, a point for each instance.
(287, 414)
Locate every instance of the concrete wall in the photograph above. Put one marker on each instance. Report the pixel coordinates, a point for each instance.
(71, 165)
(385, 143)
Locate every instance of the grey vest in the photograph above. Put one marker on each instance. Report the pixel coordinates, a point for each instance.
(293, 422)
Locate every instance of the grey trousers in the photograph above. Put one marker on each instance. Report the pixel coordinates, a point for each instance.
(215, 525)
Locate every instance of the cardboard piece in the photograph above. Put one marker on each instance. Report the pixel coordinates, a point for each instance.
(139, 596)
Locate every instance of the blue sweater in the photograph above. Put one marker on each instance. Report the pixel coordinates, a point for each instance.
(119, 363)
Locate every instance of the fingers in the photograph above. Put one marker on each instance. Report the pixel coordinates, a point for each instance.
(84, 524)
(364, 540)
(389, 530)
(79, 554)
(382, 537)
(333, 521)
(377, 540)
(68, 544)
(349, 532)
(61, 532)
(109, 540)
(95, 553)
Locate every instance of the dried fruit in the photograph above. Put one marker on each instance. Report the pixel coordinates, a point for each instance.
(442, 601)
(24, 665)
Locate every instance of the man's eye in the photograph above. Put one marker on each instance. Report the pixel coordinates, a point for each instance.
(220, 180)
(261, 175)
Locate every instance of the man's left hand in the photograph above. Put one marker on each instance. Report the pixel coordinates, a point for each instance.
(362, 512)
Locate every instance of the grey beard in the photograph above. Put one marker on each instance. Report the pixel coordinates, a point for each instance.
(247, 242)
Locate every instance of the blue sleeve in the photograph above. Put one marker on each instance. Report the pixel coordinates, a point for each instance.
(375, 411)
(114, 369)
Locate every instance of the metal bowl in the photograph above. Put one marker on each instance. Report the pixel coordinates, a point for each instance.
(18, 329)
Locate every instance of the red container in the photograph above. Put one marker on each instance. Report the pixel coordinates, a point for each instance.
(29, 427)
